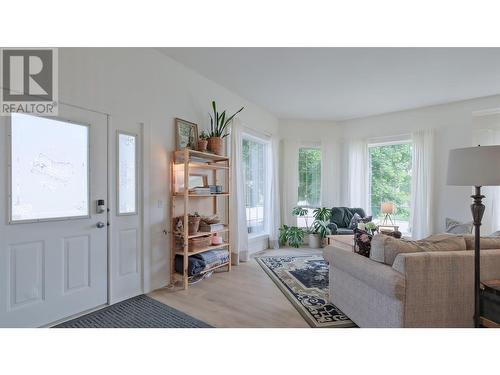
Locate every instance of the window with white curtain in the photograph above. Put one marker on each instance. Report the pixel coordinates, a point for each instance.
(309, 190)
(255, 163)
(389, 168)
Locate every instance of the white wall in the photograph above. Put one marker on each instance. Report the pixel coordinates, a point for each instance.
(147, 86)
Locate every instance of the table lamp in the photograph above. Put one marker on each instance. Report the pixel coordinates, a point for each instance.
(387, 208)
(475, 166)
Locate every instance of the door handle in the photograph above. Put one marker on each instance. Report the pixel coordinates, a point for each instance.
(100, 225)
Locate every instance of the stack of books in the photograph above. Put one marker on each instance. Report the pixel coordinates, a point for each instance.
(204, 227)
(200, 190)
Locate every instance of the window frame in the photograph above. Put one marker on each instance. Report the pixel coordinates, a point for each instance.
(136, 136)
(310, 146)
(390, 141)
(267, 143)
(9, 150)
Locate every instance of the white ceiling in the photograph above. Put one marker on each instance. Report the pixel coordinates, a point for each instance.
(344, 83)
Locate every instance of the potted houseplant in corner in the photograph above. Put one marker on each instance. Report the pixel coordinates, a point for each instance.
(291, 236)
(313, 238)
(319, 228)
(203, 141)
(219, 129)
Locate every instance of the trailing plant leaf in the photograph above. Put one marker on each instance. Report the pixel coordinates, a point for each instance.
(283, 235)
(322, 214)
(321, 227)
(295, 237)
(302, 212)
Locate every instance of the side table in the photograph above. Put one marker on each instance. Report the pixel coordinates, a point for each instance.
(490, 303)
(345, 242)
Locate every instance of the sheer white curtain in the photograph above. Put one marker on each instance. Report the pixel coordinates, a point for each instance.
(237, 212)
(357, 174)
(274, 197)
(421, 183)
(290, 180)
(487, 133)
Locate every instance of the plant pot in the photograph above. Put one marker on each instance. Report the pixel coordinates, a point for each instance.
(315, 241)
(202, 145)
(215, 145)
(193, 224)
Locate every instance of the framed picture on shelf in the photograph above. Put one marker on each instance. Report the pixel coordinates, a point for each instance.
(197, 180)
(186, 134)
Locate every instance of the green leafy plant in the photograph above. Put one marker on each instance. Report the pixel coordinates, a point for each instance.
(371, 227)
(283, 235)
(291, 236)
(301, 212)
(295, 237)
(322, 213)
(219, 122)
(204, 135)
(320, 228)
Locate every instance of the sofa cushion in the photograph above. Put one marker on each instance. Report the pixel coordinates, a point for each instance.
(384, 249)
(457, 227)
(490, 242)
(354, 221)
(342, 215)
(344, 231)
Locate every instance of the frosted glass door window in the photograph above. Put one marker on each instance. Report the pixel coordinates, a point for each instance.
(127, 174)
(49, 169)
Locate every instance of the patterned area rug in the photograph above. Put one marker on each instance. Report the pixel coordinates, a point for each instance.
(138, 312)
(304, 281)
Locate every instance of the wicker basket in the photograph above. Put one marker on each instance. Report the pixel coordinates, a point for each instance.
(199, 243)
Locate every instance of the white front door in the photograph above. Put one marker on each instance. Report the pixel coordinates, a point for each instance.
(125, 167)
(53, 237)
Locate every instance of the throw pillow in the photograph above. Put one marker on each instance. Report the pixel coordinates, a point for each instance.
(457, 227)
(362, 241)
(354, 221)
(384, 249)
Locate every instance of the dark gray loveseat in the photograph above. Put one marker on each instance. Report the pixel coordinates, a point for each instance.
(341, 218)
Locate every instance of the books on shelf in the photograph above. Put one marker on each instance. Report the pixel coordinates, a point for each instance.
(204, 227)
(200, 190)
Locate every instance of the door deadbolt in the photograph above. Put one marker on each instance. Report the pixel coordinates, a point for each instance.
(101, 206)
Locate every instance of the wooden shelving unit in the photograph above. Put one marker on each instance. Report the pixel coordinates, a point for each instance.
(184, 162)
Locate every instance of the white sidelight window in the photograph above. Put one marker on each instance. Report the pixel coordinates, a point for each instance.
(127, 174)
(255, 160)
(49, 169)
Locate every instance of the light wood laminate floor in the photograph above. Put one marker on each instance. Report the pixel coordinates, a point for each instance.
(244, 298)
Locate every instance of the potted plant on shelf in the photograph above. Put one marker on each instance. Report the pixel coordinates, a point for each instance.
(219, 129)
(193, 223)
(203, 141)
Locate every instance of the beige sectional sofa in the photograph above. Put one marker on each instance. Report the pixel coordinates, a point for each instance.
(426, 283)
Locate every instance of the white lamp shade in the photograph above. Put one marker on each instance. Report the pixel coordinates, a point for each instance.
(388, 208)
(474, 166)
